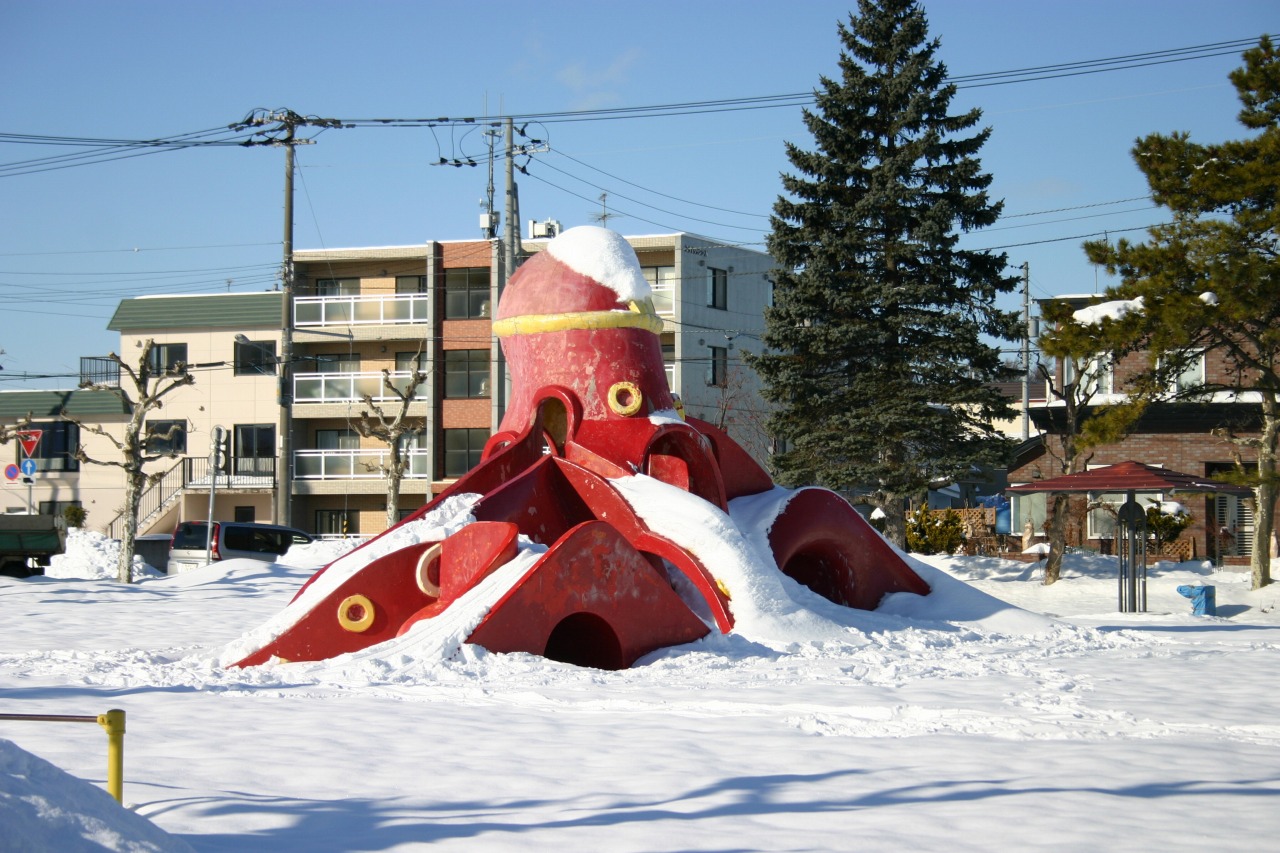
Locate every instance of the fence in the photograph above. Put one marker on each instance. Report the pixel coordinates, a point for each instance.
(113, 723)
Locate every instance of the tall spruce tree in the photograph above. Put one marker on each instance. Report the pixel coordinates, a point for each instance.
(880, 360)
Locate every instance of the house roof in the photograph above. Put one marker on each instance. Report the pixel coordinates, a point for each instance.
(213, 310)
(1130, 477)
(51, 404)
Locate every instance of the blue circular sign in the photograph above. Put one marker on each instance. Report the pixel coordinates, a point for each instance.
(11, 471)
(28, 467)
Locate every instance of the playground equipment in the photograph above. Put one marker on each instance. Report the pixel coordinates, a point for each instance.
(589, 406)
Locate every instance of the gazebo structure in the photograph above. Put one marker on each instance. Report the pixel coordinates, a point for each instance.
(1132, 478)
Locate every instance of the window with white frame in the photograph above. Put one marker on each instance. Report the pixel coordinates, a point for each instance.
(1098, 375)
(662, 284)
(1191, 376)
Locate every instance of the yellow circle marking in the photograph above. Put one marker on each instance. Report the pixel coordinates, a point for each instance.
(355, 614)
(625, 398)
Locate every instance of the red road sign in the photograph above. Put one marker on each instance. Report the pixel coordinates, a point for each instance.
(29, 439)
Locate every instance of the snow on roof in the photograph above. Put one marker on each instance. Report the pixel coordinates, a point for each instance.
(603, 255)
(1113, 310)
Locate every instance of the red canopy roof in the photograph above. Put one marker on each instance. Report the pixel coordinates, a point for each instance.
(1130, 477)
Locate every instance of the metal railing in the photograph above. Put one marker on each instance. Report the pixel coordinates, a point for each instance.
(192, 472)
(381, 310)
(113, 723)
(99, 370)
(664, 296)
(348, 387)
(355, 464)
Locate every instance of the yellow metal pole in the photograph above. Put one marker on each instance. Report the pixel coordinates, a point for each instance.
(113, 722)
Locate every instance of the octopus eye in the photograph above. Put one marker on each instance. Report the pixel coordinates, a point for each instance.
(625, 398)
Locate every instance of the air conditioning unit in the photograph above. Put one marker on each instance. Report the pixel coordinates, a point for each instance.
(548, 228)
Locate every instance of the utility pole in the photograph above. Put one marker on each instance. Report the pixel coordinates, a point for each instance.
(511, 251)
(284, 467)
(283, 133)
(1026, 351)
(489, 224)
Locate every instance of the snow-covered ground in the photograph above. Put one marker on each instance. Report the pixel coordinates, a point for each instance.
(994, 714)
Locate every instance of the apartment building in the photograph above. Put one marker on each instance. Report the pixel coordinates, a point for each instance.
(363, 317)
(1175, 435)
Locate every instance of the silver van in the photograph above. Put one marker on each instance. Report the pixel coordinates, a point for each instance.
(231, 540)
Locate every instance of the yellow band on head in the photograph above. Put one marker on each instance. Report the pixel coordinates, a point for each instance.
(640, 316)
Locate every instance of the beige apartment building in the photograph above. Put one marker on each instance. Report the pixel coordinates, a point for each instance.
(359, 315)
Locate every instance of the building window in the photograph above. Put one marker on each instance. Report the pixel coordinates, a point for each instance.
(466, 293)
(337, 522)
(462, 449)
(1099, 375)
(166, 437)
(717, 288)
(245, 514)
(466, 373)
(255, 449)
(1192, 376)
(165, 358)
(718, 372)
(337, 439)
(56, 450)
(407, 362)
(56, 507)
(337, 287)
(337, 362)
(255, 358)
(411, 284)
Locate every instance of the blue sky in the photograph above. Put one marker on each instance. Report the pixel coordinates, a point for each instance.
(74, 241)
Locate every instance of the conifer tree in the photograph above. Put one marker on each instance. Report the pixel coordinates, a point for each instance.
(880, 361)
(1210, 278)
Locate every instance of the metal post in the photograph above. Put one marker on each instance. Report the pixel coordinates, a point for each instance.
(1131, 522)
(1026, 351)
(113, 722)
(215, 460)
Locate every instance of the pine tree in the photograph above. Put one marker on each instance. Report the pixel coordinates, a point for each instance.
(1210, 279)
(879, 364)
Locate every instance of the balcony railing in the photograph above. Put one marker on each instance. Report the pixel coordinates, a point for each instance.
(663, 299)
(347, 387)
(97, 370)
(381, 310)
(358, 464)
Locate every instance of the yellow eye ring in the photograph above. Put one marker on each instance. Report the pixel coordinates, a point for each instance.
(355, 614)
(625, 398)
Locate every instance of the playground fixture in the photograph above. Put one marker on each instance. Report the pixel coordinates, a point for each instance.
(589, 406)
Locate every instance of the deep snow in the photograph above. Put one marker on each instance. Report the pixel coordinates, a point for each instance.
(994, 714)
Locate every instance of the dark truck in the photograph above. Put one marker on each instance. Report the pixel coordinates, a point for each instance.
(28, 541)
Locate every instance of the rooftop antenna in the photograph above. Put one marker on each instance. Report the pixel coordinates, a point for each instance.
(604, 215)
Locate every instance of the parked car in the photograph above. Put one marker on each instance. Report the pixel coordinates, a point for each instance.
(231, 540)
